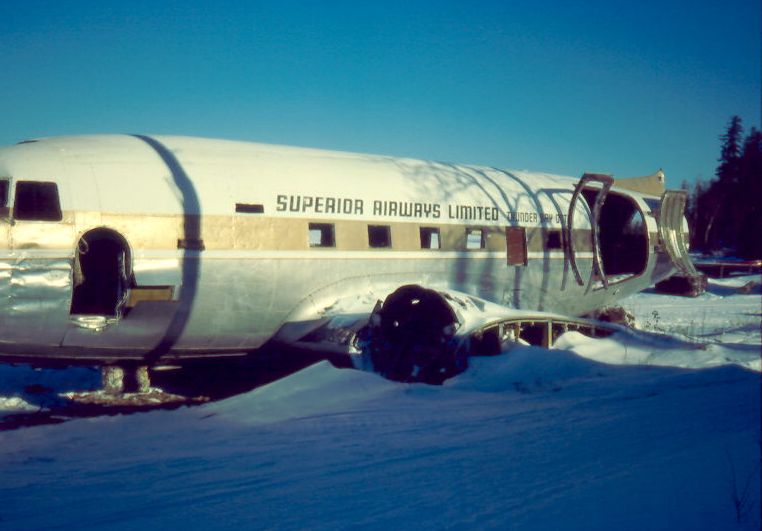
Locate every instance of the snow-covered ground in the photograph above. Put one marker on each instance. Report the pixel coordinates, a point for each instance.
(595, 434)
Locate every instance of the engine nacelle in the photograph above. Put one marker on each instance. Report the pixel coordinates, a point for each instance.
(410, 337)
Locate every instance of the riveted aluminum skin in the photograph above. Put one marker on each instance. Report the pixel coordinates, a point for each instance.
(217, 236)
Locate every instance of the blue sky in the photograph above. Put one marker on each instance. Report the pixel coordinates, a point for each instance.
(565, 87)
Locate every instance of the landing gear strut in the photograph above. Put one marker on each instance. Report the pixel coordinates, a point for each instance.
(128, 388)
(116, 380)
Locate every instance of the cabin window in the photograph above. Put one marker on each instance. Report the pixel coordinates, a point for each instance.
(379, 236)
(553, 239)
(430, 238)
(37, 202)
(474, 239)
(321, 235)
(3, 193)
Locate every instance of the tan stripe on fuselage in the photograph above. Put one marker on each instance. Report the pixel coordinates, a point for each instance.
(262, 233)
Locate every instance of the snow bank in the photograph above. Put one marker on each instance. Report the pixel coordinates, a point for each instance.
(531, 439)
(623, 349)
(521, 368)
(724, 318)
(629, 432)
(317, 390)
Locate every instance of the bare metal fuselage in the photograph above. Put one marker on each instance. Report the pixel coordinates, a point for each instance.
(170, 247)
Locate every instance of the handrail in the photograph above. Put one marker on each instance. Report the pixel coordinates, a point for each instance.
(606, 181)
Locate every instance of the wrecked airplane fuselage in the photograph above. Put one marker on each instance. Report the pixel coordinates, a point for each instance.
(137, 249)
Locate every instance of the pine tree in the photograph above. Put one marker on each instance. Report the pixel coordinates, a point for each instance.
(726, 213)
(724, 218)
(749, 197)
(731, 150)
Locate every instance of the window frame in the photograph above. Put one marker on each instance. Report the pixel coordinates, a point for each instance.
(379, 229)
(325, 229)
(482, 238)
(428, 232)
(5, 191)
(51, 215)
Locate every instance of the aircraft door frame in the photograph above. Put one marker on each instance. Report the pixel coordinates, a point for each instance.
(671, 218)
(5, 217)
(606, 182)
(6, 259)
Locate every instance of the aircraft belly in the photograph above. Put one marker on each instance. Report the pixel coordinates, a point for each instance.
(240, 303)
(247, 300)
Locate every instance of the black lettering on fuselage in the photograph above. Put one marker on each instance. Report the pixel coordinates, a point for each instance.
(319, 204)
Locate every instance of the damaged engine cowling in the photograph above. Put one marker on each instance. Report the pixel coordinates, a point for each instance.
(410, 337)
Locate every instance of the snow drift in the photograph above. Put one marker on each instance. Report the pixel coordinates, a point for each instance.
(595, 434)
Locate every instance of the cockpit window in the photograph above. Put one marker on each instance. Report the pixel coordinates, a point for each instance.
(3, 193)
(37, 202)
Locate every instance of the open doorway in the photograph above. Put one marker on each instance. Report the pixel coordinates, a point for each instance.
(101, 274)
(623, 236)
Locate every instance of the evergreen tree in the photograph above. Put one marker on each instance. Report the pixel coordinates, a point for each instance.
(748, 199)
(696, 218)
(726, 213)
(731, 150)
(723, 219)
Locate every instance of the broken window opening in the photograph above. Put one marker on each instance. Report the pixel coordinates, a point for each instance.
(430, 238)
(545, 333)
(495, 338)
(37, 201)
(534, 333)
(321, 235)
(474, 239)
(487, 342)
(553, 239)
(101, 274)
(379, 236)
